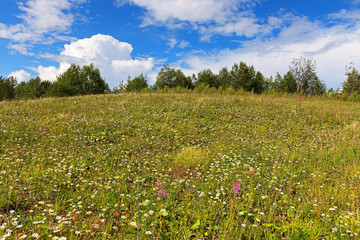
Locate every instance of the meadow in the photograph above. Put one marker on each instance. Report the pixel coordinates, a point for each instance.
(180, 166)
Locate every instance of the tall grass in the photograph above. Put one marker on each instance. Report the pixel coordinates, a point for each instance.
(165, 165)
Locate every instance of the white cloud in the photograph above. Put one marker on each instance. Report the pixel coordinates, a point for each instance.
(111, 56)
(187, 10)
(172, 42)
(346, 15)
(43, 21)
(184, 44)
(242, 26)
(21, 48)
(210, 17)
(332, 48)
(47, 73)
(20, 76)
(44, 16)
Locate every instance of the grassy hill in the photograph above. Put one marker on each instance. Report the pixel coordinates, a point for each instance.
(180, 166)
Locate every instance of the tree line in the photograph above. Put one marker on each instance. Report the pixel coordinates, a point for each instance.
(75, 81)
(301, 78)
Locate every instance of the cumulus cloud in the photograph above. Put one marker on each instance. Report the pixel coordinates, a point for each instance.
(111, 56)
(332, 47)
(20, 76)
(43, 21)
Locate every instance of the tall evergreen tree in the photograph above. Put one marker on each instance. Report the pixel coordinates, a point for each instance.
(208, 78)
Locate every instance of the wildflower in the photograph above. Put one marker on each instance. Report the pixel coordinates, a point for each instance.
(236, 188)
(35, 235)
(151, 212)
(162, 193)
(133, 224)
(163, 212)
(42, 130)
(159, 184)
(148, 233)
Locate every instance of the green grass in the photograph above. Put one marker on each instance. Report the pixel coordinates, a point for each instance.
(91, 167)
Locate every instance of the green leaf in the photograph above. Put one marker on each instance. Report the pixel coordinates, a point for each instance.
(196, 225)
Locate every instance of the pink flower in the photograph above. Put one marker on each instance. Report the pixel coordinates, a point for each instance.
(42, 130)
(159, 184)
(162, 193)
(236, 188)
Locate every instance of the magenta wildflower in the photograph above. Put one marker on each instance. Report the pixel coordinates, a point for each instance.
(42, 130)
(159, 184)
(162, 193)
(236, 188)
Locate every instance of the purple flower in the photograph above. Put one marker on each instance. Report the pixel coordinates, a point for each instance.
(159, 184)
(236, 188)
(42, 130)
(162, 193)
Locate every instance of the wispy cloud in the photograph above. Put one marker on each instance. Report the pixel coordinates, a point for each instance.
(209, 17)
(172, 42)
(184, 44)
(21, 48)
(332, 46)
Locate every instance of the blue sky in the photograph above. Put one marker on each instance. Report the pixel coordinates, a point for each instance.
(122, 37)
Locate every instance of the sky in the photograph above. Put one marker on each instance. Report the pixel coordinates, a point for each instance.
(130, 37)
